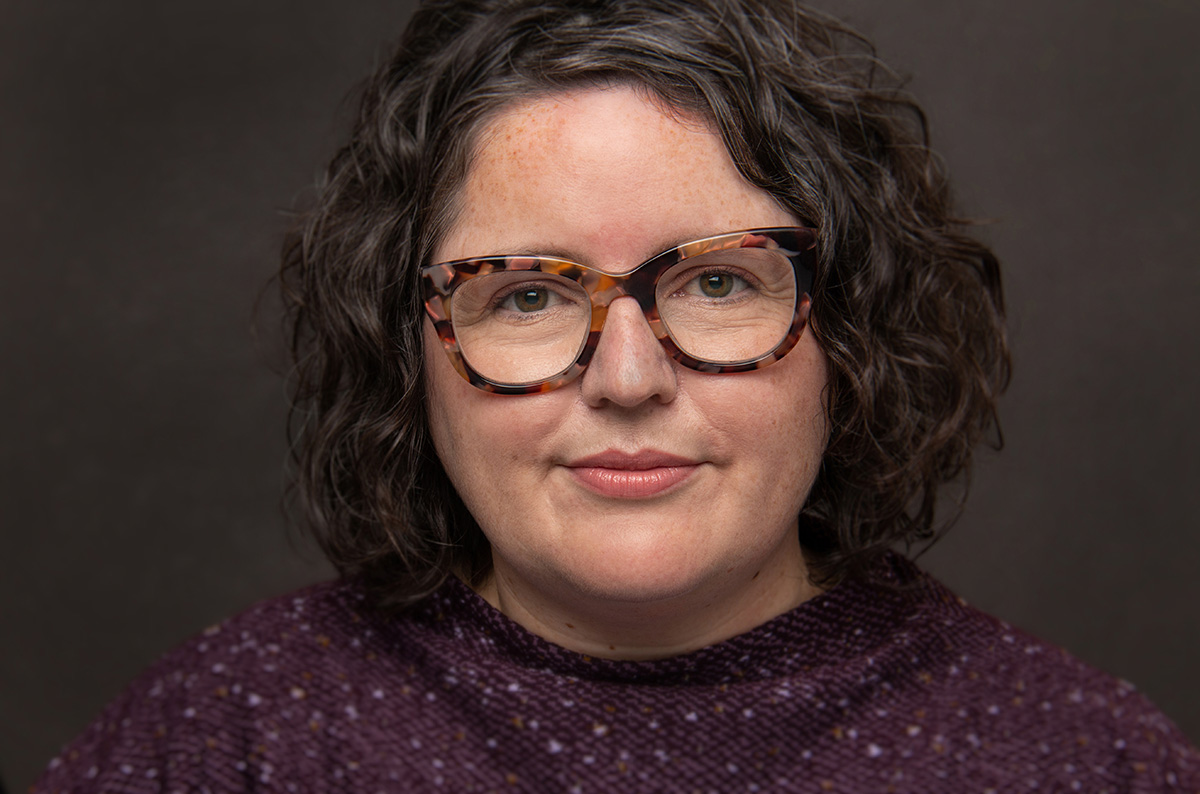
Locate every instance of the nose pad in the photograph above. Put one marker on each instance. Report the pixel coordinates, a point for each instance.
(629, 365)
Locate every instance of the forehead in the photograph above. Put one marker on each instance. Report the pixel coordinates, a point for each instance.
(608, 172)
(603, 119)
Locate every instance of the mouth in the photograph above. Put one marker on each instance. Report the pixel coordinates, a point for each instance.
(639, 475)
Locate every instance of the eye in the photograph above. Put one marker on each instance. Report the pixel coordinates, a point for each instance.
(716, 284)
(528, 300)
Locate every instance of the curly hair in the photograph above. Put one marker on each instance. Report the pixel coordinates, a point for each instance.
(907, 305)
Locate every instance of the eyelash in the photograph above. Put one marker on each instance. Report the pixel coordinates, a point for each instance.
(700, 270)
(498, 300)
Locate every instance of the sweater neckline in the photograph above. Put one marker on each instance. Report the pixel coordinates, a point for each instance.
(843, 623)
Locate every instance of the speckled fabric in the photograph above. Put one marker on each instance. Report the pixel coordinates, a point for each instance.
(859, 690)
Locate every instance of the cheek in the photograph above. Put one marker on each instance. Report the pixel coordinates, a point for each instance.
(452, 412)
(439, 392)
(809, 420)
(785, 435)
(483, 439)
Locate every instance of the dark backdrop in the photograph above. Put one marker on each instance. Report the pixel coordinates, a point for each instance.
(148, 150)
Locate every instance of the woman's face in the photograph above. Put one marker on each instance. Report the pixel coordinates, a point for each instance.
(640, 481)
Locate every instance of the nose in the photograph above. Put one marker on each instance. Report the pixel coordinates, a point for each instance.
(629, 366)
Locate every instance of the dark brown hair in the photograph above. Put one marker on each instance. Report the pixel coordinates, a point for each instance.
(907, 307)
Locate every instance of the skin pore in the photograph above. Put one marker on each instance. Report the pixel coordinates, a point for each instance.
(604, 176)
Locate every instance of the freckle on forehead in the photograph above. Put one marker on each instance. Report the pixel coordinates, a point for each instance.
(567, 124)
(603, 173)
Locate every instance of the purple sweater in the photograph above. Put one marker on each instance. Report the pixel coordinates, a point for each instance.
(861, 689)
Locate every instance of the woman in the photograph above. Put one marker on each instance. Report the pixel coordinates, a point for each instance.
(630, 338)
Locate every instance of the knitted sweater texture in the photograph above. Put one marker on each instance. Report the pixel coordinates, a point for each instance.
(862, 689)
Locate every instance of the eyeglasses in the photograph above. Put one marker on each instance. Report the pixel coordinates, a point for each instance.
(529, 324)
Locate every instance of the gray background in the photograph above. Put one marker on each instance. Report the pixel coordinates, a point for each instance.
(148, 150)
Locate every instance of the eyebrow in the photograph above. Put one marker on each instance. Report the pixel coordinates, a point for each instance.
(557, 252)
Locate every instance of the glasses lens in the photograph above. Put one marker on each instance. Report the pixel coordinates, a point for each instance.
(518, 327)
(731, 306)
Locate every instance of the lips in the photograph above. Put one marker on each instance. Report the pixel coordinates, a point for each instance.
(638, 475)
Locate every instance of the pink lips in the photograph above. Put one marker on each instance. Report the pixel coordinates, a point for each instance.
(621, 475)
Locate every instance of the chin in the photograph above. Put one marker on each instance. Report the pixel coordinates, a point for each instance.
(640, 573)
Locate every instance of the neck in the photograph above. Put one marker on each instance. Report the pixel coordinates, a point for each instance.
(652, 628)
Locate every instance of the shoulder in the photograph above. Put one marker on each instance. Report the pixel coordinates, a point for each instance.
(987, 687)
(282, 668)
(273, 648)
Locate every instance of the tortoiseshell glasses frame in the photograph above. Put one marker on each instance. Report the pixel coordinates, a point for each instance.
(440, 281)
